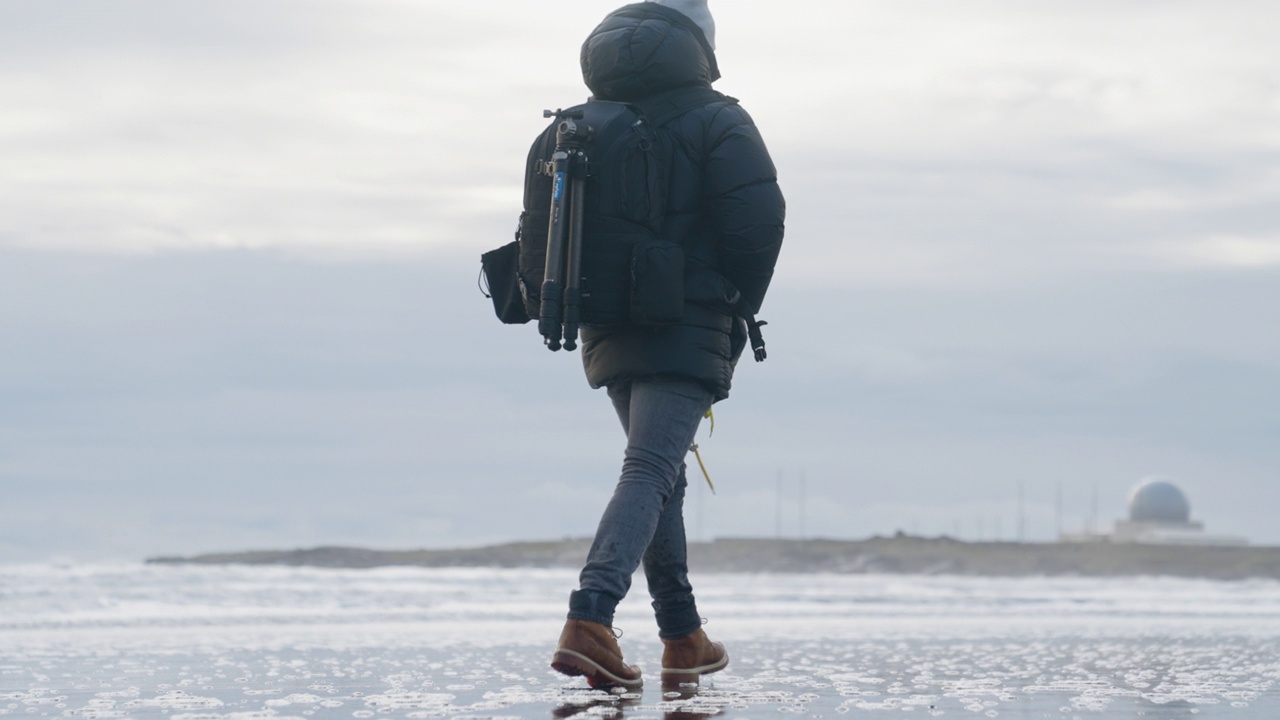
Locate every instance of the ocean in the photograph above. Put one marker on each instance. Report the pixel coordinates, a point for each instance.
(270, 643)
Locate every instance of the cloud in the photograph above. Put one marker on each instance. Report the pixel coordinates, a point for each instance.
(1231, 251)
(920, 146)
(246, 125)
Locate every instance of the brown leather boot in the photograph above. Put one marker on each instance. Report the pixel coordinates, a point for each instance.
(685, 659)
(590, 649)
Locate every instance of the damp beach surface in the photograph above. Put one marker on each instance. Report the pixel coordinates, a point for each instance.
(264, 643)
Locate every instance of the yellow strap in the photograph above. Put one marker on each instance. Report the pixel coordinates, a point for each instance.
(705, 474)
(694, 448)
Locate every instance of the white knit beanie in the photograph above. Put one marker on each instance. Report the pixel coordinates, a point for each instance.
(697, 11)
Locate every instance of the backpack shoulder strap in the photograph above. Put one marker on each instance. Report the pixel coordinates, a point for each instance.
(664, 107)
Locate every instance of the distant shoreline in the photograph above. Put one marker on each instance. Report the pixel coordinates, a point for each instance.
(900, 554)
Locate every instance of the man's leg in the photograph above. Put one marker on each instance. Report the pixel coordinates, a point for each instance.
(666, 569)
(661, 418)
(687, 652)
(665, 561)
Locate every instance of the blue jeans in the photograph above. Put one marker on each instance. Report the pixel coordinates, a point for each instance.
(644, 522)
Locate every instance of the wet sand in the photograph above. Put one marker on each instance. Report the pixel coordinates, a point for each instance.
(1061, 679)
(270, 643)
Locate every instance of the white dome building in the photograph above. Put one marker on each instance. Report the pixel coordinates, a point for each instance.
(1158, 501)
(1159, 514)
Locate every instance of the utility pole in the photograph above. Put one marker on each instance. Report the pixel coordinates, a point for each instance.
(1058, 510)
(802, 507)
(777, 510)
(1022, 512)
(1093, 520)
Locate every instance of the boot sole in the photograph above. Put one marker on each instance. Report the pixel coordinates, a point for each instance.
(722, 663)
(574, 664)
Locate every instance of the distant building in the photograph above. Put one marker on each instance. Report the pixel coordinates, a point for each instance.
(1159, 514)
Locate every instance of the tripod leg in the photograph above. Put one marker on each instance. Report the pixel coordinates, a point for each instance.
(551, 316)
(573, 281)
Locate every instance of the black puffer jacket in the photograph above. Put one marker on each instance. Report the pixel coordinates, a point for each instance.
(724, 205)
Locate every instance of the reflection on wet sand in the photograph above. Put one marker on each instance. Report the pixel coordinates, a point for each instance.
(680, 701)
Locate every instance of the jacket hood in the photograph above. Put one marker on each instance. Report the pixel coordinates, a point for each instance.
(645, 48)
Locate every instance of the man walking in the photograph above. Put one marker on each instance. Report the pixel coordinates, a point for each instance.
(725, 209)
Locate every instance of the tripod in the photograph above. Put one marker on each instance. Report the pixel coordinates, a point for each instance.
(561, 285)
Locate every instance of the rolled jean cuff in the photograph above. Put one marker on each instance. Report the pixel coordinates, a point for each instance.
(592, 606)
(678, 622)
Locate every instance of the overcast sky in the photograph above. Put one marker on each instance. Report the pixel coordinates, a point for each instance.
(1029, 244)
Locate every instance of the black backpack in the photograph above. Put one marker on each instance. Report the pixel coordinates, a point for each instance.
(631, 273)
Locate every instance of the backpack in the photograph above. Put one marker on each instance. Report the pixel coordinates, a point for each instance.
(630, 273)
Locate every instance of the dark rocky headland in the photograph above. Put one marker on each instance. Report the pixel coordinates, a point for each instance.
(899, 554)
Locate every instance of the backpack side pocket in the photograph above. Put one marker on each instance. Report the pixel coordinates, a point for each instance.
(499, 269)
(657, 283)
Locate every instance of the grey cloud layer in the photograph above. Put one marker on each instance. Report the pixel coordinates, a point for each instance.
(189, 402)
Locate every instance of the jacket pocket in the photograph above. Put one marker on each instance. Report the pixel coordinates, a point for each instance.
(707, 287)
